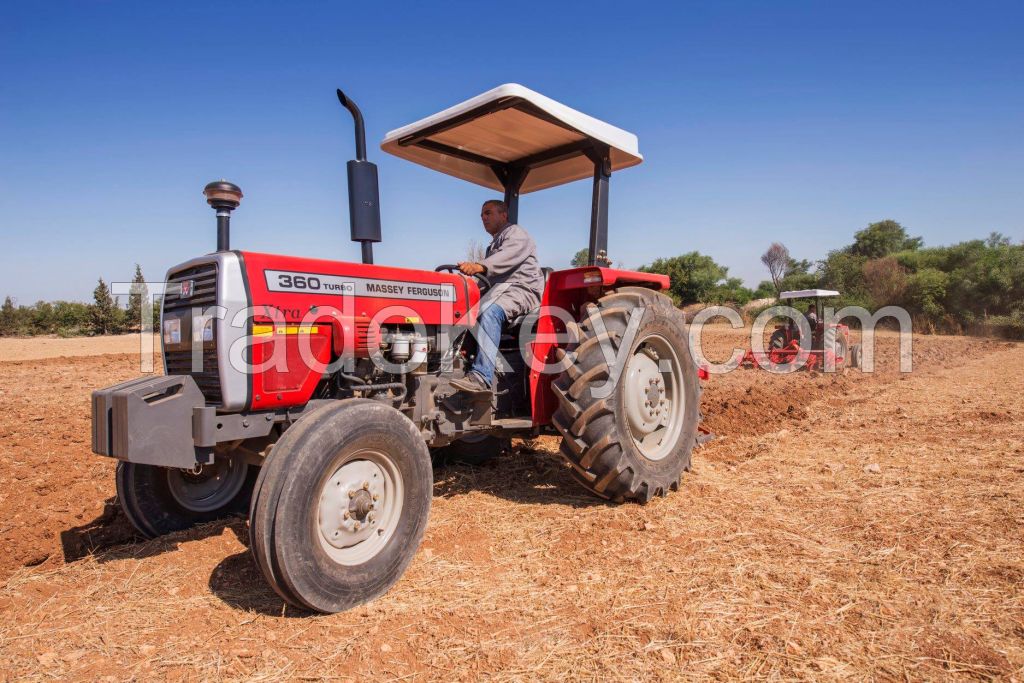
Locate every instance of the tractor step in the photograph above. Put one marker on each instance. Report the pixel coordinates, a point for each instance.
(512, 423)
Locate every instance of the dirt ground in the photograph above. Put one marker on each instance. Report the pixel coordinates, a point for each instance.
(840, 526)
(37, 348)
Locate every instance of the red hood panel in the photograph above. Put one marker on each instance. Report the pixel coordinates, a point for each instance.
(297, 286)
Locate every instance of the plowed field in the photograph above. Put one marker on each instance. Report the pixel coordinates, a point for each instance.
(852, 525)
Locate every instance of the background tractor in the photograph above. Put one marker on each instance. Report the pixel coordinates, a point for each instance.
(784, 345)
(311, 392)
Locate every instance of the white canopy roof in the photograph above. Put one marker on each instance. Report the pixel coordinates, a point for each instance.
(508, 127)
(804, 293)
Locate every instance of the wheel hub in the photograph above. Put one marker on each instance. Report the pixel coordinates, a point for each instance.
(646, 401)
(348, 504)
(653, 397)
(206, 488)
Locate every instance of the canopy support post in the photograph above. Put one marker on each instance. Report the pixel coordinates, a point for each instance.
(598, 249)
(512, 178)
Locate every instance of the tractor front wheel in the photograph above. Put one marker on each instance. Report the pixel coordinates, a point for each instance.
(630, 404)
(341, 505)
(159, 500)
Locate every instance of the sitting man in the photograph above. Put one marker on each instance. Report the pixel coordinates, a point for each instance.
(516, 287)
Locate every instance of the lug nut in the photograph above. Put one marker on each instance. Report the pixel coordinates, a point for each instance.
(356, 526)
(347, 514)
(351, 494)
(366, 486)
(371, 517)
(376, 496)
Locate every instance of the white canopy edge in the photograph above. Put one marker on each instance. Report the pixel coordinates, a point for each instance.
(624, 146)
(804, 293)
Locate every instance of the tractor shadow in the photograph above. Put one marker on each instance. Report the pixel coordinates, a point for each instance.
(112, 537)
(525, 475)
(238, 582)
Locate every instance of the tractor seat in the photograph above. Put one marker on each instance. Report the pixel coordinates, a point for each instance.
(518, 320)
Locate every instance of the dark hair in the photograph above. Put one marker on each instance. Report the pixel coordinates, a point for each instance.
(498, 204)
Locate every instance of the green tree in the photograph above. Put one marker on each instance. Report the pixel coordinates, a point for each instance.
(926, 290)
(881, 239)
(798, 276)
(765, 290)
(581, 258)
(692, 276)
(8, 318)
(730, 291)
(103, 311)
(138, 301)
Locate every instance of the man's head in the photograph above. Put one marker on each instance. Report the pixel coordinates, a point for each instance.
(494, 215)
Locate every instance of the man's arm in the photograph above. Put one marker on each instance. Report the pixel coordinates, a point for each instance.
(514, 249)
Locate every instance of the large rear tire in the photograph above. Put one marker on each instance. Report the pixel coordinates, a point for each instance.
(632, 439)
(160, 500)
(342, 505)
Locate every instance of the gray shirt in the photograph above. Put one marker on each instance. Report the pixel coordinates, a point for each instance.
(511, 265)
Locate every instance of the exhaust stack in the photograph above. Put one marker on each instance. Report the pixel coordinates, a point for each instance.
(224, 197)
(363, 193)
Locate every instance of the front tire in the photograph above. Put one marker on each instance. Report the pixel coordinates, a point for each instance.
(635, 441)
(342, 505)
(161, 500)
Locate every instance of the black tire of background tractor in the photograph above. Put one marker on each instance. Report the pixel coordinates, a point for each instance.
(856, 355)
(596, 438)
(842, 352)
(470, 450)
(777, 340)
(287, 516)
(144, 492)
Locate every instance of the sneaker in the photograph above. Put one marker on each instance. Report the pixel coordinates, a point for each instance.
(472, 383)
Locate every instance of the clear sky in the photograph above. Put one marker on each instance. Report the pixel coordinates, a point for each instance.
(759, 121)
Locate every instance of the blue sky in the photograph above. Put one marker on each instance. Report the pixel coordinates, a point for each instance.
(791, 121)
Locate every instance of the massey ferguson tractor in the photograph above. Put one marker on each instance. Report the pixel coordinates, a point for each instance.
(312, 393)
(817, 347)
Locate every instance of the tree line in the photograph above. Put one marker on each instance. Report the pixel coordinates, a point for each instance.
(105, 315)
(972, 286)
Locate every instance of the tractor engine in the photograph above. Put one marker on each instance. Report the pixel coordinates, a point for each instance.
(259, 332)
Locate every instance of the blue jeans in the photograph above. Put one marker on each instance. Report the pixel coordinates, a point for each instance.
(488, 334)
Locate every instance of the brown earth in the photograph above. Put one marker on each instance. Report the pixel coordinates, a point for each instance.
(840, 526)
(36, 348)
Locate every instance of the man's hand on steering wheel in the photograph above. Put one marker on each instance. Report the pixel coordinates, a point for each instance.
(470, 268)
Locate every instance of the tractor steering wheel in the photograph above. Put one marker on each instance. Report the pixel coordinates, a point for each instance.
(454, 268)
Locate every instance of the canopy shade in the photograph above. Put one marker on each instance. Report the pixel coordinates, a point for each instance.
(509, 130)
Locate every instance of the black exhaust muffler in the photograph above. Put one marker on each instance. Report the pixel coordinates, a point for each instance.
(363, 192)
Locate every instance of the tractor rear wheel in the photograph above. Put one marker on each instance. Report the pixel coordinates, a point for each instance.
(342, 505)
(856, 355)
(630, 404)
(159, 500)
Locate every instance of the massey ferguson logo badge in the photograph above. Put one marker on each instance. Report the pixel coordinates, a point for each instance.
(186, 289)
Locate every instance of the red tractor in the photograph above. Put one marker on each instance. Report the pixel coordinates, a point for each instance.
(312, 393)
(833, 340)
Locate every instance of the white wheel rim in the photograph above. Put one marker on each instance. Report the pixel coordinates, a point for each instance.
(654, 398)
(359, 507)
(209, 489)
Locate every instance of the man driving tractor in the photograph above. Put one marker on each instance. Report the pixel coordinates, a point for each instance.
(517, 283)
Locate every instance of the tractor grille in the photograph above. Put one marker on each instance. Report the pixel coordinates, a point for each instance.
(204, 289)
(178, 361)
